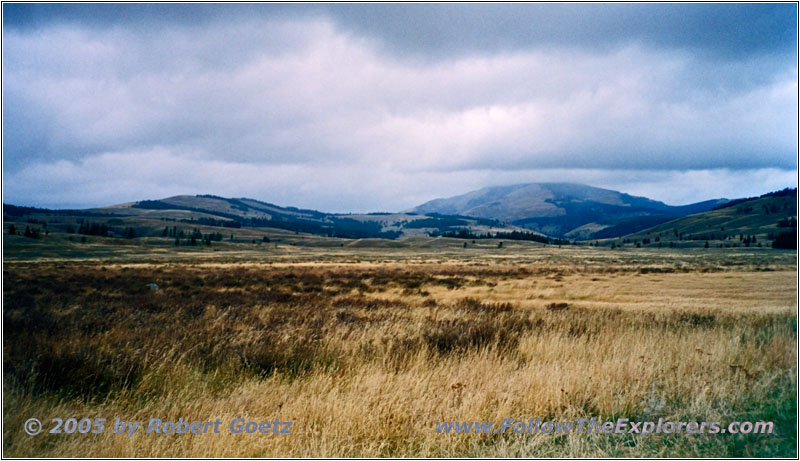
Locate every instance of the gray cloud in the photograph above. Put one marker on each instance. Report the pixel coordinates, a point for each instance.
(721, 30)
(325, 109)
(138, 175)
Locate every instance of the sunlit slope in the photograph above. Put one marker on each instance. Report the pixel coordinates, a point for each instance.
(751, 222)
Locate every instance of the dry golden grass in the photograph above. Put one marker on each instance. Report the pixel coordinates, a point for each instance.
(365, 356)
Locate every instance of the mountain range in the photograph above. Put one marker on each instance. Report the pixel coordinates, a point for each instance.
(554, 213)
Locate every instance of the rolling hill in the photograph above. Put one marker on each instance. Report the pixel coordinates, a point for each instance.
(753, 222)
(254, 213)
(573, 211)
(206, 218)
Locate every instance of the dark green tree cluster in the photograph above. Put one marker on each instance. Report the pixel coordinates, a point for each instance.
(216, 222)
(172, 232)
(786, 240)
(514, 235)
(196, 238)
(32, 233)
(93, 229)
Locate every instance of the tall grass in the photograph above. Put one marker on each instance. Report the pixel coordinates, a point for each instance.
(365, 358)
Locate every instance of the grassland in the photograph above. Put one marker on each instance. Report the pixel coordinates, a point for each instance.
(759, 220)
(365, 347)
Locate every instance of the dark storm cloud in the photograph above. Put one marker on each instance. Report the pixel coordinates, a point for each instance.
(729, 30)
(301, 102)
(722, 30)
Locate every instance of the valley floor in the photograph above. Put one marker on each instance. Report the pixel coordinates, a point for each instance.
(366, 349)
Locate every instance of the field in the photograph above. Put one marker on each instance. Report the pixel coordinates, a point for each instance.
(364, 349)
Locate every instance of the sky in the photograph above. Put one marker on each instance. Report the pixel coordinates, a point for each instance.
(381, 107)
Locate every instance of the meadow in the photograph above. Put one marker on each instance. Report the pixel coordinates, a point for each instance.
(365, 349)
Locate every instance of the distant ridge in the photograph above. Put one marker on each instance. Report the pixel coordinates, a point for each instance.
(550, 213)
(568, 210)
(213, 210)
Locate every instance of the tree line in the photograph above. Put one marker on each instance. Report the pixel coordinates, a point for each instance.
(513, 235)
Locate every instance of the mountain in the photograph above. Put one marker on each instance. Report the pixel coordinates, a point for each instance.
(568, 210)
(769, 220)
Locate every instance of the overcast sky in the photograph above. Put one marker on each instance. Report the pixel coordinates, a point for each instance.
(379, 107)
